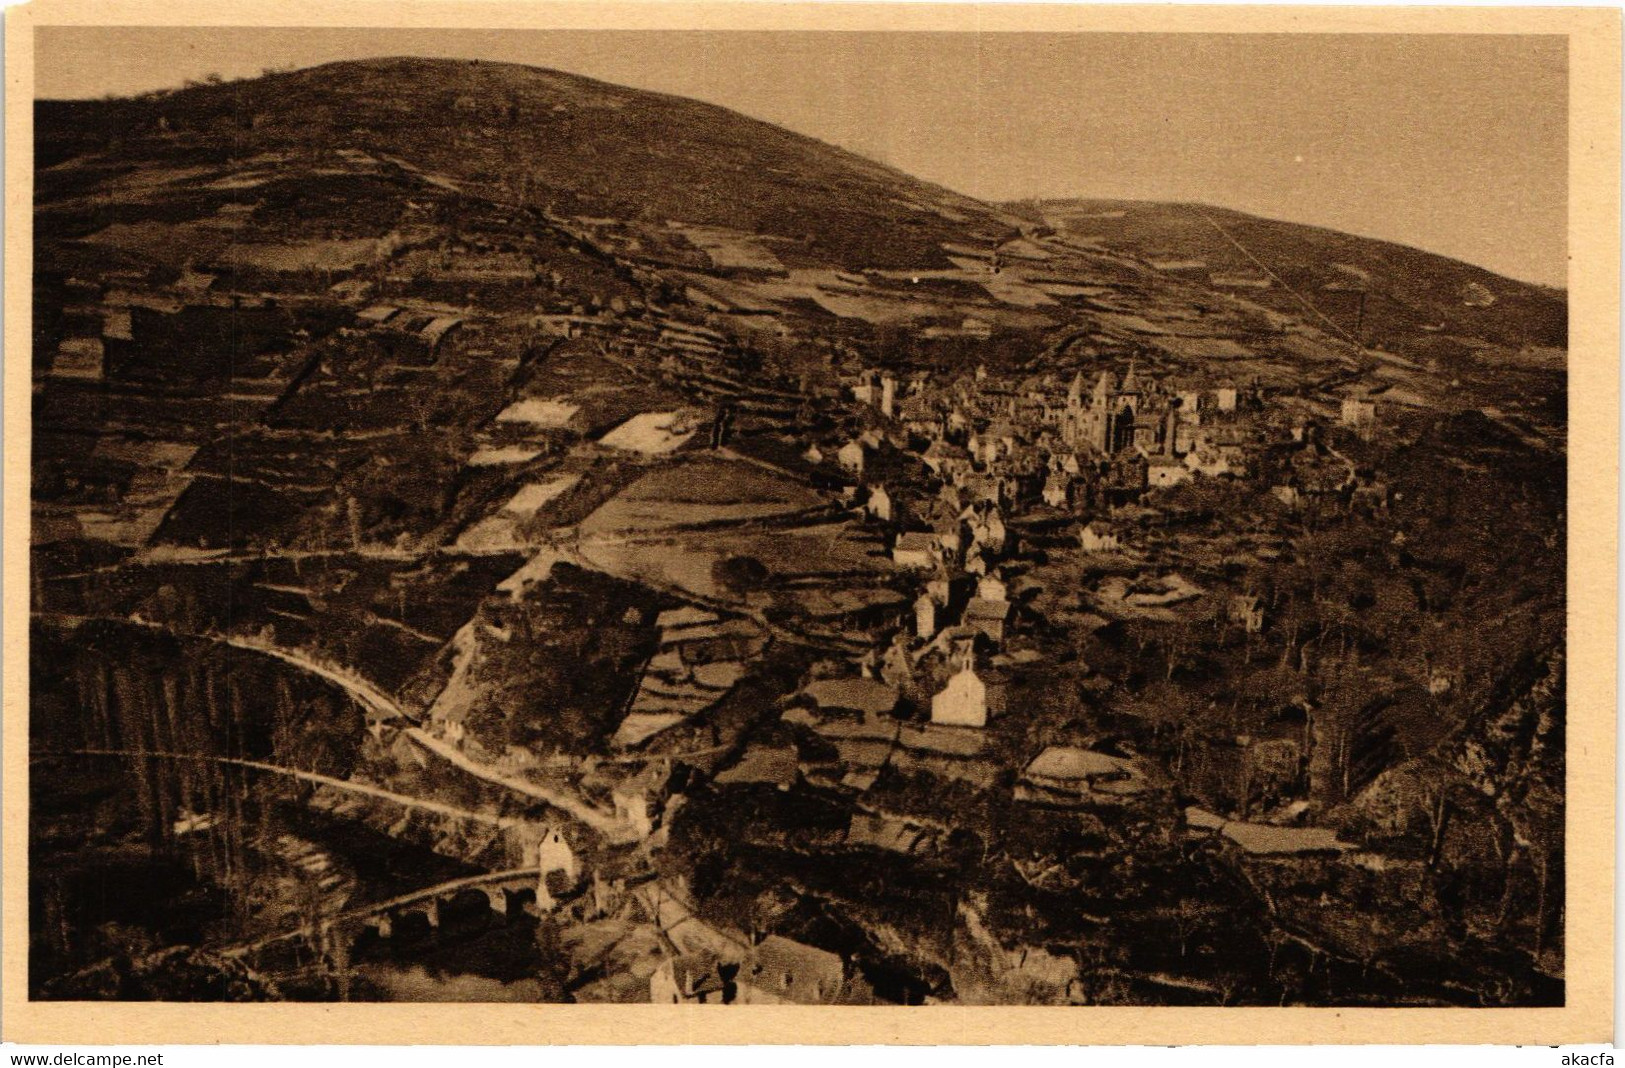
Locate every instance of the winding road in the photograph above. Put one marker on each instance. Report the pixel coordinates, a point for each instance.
(384, 707)
(406, 800)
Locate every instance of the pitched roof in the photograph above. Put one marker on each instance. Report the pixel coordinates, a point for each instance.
(378, 313)
(916, 541)
(1064, 763)
(986, 608)
(438, 327)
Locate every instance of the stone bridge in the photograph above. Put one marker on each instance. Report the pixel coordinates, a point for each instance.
(502, 891)
(499, 891)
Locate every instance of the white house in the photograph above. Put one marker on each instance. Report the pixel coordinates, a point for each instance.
(988, 617)
(991, 588)
(915, 550)
(1164, 471)
(1097, 537)
(851, 457)
(879, 504)
(962, 702)
(1246, 610)
(553, 853)
(632, 807)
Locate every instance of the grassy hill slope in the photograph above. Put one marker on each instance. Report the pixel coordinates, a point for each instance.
(1407, 292)
(582, 146)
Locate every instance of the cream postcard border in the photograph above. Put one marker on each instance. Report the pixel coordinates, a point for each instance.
(1594, 364)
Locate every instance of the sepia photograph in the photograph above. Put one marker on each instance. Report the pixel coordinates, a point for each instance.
(815, 517)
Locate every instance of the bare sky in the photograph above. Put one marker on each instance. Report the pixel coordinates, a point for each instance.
(1455, 144)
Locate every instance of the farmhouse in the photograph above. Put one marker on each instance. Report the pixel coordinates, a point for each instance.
(1097, 537)
(962, 702)
(1164, 471)
(1246, 610)
(1064, 775)
(779, 971)
(988, 617)
(916, 550)
(879, 504)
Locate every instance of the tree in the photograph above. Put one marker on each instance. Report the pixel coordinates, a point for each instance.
(740, 574)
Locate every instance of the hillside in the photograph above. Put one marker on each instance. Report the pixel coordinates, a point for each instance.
(1415, 301)
(1036, 604)
(307, 168)
(577, 146)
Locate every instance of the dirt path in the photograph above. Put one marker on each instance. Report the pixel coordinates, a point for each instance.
(405, 800)
(603, 822)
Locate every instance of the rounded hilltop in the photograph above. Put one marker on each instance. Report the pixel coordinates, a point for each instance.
(580, 146)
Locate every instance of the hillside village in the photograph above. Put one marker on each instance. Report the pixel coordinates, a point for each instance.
(1007, 613)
